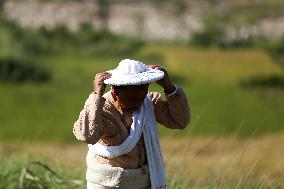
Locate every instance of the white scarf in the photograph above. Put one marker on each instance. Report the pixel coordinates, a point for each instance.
(144, 121)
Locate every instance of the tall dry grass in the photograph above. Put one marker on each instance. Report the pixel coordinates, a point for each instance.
(202, 162)
(195, 162)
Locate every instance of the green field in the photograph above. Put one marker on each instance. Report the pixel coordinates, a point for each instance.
(211, 79)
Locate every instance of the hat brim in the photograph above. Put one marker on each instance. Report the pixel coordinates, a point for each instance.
(149, 76)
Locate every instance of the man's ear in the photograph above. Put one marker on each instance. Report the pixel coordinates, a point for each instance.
(114, 93)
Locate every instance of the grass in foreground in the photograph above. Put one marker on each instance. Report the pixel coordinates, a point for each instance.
(23, 173)
(198, 162)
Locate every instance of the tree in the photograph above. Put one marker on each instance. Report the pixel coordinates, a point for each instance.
(2, 2)
(103, 12)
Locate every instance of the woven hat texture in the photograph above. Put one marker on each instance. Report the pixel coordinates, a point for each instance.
(132, 72)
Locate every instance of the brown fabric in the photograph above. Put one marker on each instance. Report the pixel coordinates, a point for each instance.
(103, 121)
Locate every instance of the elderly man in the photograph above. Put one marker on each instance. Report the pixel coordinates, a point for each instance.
(120, 126)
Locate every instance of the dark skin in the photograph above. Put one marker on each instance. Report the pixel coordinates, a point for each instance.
(131, 97)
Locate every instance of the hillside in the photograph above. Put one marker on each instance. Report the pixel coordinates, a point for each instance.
(153, 19)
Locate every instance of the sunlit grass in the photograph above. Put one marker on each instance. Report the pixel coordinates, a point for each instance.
(215, 64)
(23, 172)
(195, 162)
(219, 161)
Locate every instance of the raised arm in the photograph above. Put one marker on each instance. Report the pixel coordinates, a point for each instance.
(174, 112)
(89, 127)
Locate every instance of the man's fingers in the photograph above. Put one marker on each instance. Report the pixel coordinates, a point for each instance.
(104, 75)
(157, 67)
(151, 95)
(155, 96)
(154, 66)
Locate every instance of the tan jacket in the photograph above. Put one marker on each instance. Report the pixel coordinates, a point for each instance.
(103, 121)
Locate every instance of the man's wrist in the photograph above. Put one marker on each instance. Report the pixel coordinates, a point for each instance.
(173, 92)
(169, 89)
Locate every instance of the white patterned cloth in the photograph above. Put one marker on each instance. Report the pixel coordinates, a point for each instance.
(144, 121)
(104, 176)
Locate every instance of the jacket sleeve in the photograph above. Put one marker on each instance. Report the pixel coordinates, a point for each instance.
(89, 126)
(174, 112)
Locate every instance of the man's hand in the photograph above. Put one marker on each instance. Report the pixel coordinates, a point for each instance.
(166, 82)
(98, 83)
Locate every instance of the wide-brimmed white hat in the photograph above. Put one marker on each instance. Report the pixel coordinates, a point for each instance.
(132, 72)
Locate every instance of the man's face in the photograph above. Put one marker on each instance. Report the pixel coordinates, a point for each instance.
(131, 97)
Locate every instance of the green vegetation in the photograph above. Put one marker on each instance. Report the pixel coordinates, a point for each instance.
(220, 105)
(28, 42)
(19, 71)
(22, 48)
(20, 173)
(211, 78)
(239, 17)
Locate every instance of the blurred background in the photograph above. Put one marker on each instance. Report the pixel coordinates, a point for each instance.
(228, 56)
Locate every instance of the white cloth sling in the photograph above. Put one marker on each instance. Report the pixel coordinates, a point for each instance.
(144, 121)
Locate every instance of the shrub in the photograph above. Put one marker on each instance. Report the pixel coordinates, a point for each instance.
(19, 71)
(273, 81)
(30, 42)
(105, 43)
(276, 51)
(210, 37)
(20, 41)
